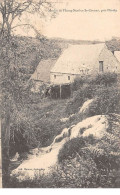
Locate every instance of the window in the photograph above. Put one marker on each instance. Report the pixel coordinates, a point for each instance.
(54, 76)
(68, 77)
(100, 66)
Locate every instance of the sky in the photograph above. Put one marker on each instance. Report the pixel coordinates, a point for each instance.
(73, 22)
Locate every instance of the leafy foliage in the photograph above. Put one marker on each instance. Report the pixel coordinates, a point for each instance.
(103, 88)
(79, 97)
(71, 148)
(35, 121)
(107, 101)
(106, 79)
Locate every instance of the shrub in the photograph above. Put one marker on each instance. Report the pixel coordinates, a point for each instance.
(78, 83)
(103, 86)
(76, 173)
(70, 148)
(79, 97)
(107, 101)
(106, 79)
(74, 146)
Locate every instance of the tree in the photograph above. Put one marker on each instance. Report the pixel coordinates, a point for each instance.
(10, 10)
(13, 9)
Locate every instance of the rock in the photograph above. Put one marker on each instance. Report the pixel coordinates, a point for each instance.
(36, 166)
(95, 126)
(64, 134)
(63, 120)
(16, 157)
(72, 116)
(48, 157)
(86, 106)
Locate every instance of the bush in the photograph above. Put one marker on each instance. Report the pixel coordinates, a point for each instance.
(78, 83)
(76, 173)
(74, 146)
(106, 79)
(90, 164)
(106, 101)
(79, 97)
(70, 149)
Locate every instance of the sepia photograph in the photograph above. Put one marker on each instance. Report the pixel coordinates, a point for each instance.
(60, 94)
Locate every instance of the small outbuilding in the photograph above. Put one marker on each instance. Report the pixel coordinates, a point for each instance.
(41, 77)
(42, 72)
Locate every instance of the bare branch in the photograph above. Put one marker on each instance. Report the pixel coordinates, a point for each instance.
(12, 9)
(36, 31)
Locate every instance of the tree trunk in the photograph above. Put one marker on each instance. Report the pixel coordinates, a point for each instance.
(5, 145)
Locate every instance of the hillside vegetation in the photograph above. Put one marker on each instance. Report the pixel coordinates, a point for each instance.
(35, 121)
(30, 51)
(82, 161)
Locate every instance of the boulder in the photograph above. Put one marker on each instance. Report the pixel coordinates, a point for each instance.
(63, 120)
(48, 157)
(85, 106)
(95, 125)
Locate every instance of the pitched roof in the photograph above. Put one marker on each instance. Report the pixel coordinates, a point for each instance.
(117, 55)
(43, 70)
(76, 57)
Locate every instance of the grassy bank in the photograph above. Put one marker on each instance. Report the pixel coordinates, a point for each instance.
(83, 162)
